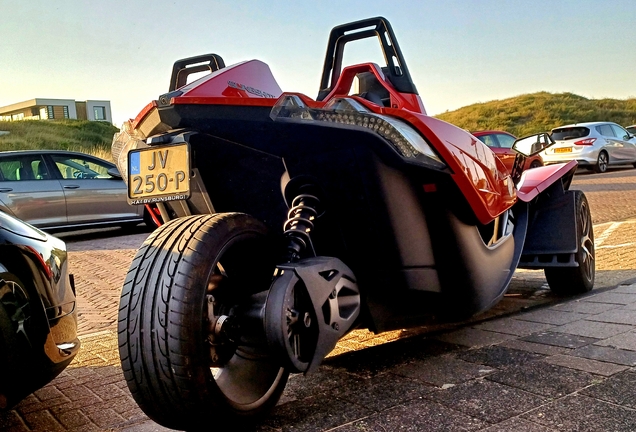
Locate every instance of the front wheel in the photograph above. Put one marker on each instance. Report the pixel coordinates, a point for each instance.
(577, 280)
(187, 274)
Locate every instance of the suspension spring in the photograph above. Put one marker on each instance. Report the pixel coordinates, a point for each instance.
(299, 224)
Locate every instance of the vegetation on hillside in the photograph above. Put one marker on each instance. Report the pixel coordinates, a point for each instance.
(520, 115)
(91, 137)
(539, 112)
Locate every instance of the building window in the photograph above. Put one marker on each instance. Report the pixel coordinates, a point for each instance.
(65, 108)
(100, 112)
(49, 112)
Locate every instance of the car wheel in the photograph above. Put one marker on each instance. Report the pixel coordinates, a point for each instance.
(601, 162)
(16, 359)
(535, 164)
(188, 274)
(577, 280)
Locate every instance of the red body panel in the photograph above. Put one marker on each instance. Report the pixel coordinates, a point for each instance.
(482, 177)
(536, 180)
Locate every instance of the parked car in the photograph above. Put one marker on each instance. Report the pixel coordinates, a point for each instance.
(631, 129)
(56, 190)
(38, 312)
(595, 145)
(500, 143)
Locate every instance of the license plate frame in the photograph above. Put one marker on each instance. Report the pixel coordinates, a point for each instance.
(563, 150)
(159, 174)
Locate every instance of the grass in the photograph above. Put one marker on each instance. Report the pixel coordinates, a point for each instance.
(539, 112)
(90, 137)
(521, 115)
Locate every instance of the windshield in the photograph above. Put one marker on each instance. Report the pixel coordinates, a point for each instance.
(570, 133)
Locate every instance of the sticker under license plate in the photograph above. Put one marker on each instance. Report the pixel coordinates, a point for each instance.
(157, 174)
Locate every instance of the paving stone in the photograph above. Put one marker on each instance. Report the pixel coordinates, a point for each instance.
(517, 425)
(584, 307)
(415, 416)
(325, 380)
(612, 298)
(535, 347)
(471, 337)
(487, 400)
(549, 316)
(378, 359)
(625, 289)
(587, 365)
(43, 421)
(617, 316)
(543, 379)
(316, 413)
(382, 391)
(626, 341)
(105, 417)
(618, 389)
(564, 340)
(11, 420)
(513, 326)
(607, 354)
(583, 414)
(498, 356)
(593, 329)
(73, 419)
(442, 370)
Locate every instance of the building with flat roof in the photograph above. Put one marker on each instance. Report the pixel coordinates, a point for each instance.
(55, 109)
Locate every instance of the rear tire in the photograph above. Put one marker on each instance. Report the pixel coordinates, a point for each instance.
(577, 280)
(601, 162)
(164, 328)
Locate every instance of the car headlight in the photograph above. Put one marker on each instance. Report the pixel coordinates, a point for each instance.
(347, 111)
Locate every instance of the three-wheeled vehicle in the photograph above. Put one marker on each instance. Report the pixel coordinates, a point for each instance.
(290, 221)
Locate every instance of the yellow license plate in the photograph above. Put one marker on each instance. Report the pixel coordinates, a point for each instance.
(158, 174)
(563, 150)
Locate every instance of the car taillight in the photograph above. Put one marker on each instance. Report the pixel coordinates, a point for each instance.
(588, 141)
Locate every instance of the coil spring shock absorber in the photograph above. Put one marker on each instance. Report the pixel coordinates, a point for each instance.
(299, 224)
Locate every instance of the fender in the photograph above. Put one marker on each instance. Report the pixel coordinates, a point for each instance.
(536, 180)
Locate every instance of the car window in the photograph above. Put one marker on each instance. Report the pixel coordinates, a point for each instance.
(489, 140)
(605, 130)
(505, 140)
(23, 167)
(632, 130)
(619, 131)
(573, 132)
(77, 167)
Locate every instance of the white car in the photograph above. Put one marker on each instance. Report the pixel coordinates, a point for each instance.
(594, 145)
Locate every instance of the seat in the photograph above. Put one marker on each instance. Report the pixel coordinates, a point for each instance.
(372, 90)
(42, 172)
(22, 174)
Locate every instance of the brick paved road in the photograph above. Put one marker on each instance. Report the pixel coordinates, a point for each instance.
(590, 342)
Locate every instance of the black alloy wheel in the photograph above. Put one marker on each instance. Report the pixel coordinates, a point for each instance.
(577, 280)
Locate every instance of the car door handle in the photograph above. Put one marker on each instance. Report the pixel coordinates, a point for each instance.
(5, 189)
(71, 187)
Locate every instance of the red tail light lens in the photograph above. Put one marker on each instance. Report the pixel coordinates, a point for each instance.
(588, 141)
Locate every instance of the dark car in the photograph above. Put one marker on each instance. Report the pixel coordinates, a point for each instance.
(500, 143)
(38, 313)
(55, 190)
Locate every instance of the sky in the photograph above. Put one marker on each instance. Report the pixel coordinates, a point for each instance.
(459, 52)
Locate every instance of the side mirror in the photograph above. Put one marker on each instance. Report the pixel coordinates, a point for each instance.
(533, 144)
(114, 172)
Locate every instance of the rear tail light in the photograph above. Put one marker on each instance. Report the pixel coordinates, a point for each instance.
(588, 141)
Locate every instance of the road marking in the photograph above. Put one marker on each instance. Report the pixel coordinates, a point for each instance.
(600, 239)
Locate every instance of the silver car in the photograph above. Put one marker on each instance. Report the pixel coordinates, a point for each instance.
(595, 145)
(55, 190)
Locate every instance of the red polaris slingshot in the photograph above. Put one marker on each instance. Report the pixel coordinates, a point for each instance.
(290, 221)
